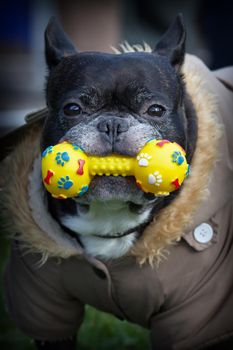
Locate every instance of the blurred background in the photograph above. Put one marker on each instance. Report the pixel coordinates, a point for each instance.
(96, 25)
(93, 25)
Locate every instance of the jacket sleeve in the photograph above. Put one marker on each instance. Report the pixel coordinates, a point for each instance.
(225, 75)
(36, 298)
(9, 141)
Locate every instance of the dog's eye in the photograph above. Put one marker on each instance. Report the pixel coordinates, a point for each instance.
(72, 109)
(156, 111)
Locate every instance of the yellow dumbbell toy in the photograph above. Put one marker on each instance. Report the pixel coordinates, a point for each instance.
(160, 168)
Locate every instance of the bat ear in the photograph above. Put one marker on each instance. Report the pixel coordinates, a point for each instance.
(172, 43)
(57, 43)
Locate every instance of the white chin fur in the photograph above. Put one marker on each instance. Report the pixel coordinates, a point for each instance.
(107, 248)
(106, 218)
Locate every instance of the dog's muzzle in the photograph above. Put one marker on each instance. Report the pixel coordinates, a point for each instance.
(111, 129)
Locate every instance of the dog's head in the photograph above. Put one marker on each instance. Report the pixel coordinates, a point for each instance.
(109, 103)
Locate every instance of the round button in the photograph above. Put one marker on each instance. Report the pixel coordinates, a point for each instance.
(203, 233)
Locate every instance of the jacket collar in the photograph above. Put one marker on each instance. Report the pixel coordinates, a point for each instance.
(24, 202)
(174, 221)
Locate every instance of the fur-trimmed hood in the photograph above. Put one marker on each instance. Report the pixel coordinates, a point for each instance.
(40, 232)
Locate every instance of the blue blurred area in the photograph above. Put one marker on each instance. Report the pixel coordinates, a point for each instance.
(216, 25)
(15, 23)
(22, 67)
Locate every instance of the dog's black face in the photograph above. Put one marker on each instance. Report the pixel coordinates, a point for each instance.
(108, 103)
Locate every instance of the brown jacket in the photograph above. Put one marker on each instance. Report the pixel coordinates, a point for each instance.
(178, 278)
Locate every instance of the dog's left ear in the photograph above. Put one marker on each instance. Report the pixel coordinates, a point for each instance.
(172, 43)
(57, 43)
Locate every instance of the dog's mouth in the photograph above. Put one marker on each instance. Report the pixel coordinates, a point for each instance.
(108, 188)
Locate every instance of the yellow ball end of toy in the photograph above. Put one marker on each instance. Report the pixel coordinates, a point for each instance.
(65, 170)
(161, 167)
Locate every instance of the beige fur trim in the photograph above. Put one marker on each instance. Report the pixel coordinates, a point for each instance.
(125, 47)
(165, 229)
(170, 224)
(15, 204)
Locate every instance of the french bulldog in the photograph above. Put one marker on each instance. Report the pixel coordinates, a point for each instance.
(113, 103)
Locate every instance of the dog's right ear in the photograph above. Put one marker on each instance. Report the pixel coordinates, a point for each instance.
(57, 43)
(172, 43)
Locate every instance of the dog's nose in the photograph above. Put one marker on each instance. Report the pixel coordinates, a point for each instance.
(111, 128)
